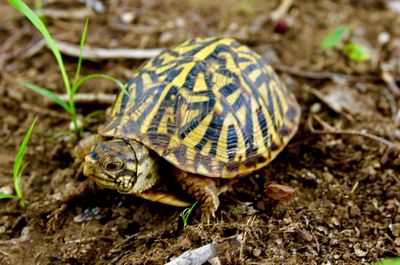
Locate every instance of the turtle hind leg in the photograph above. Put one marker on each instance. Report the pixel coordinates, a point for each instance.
(203, 189)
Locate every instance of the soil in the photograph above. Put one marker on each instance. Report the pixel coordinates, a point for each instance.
(345, 208)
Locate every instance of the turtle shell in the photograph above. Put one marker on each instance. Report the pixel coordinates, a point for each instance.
(210, 106)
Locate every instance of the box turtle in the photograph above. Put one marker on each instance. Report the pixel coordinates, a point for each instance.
(211, 107)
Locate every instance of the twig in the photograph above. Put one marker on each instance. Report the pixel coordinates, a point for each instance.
(200, 255)
(379, 139)
(389, 80)
(327, 75)
(100, 53)
(282, 9)
(78, 13)
(87, 98)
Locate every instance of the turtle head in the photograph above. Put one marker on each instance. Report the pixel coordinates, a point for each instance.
(123, 165)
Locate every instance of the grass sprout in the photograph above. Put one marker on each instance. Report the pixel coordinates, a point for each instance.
(337, 38)
(70, 88)
(185, 214)
(19, 169)
(393, 261)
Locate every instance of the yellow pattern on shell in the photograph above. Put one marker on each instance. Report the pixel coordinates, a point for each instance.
(209, 106)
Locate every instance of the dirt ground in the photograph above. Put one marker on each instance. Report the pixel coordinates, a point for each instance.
(346, 204)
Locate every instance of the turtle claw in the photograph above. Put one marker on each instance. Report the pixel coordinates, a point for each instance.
(207, 215)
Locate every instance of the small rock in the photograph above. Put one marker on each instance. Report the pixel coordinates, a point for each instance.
(256, 252)
(6, 190)
(355, 211)
(309, 176)
(393, 5)
(383, 37)
(336, 257)
(397, 241)
(260, 206)
(359, 252)
(304, 235)
(334, 242)
(180, 22)
(335, 221)
(278, 192)
(315, 108)
(166, 37)
(328, 177)
(395, 228)
(127, 17)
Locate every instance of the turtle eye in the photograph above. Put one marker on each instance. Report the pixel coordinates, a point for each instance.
(113, 166)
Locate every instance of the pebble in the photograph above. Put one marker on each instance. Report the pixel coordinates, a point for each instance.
(87, 215)
(315, 108)
(127, 17)
(355, 211)
(397, 241)
(166, 37)
(305, 235)
(335, 221)
(6, 190)
(328, 177)
(395, 228)
(256, 252)
(334, 242)
(383, 37)
(358, 251)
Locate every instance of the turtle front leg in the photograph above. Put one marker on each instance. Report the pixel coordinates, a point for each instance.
(203, 189)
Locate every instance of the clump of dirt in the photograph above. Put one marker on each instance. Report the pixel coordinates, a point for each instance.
(345, 208)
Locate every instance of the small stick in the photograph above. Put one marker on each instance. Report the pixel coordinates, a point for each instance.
(87, 98)
(389, 80)
(201, 255)
(379, 139)
(327, 75)
(100, 53)
(78, 13)
(282, 9)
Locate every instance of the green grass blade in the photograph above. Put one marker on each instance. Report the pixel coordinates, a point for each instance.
(37, 22)
(7, 196)
(48, 94)
(357, 52)
(108, 77)
(78, 67)
(17, 172)
(335, 37)
(393, 261)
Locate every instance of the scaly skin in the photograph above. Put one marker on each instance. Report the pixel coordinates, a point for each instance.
(124, 165)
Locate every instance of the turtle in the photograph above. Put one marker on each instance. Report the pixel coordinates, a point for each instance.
(211, 107)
